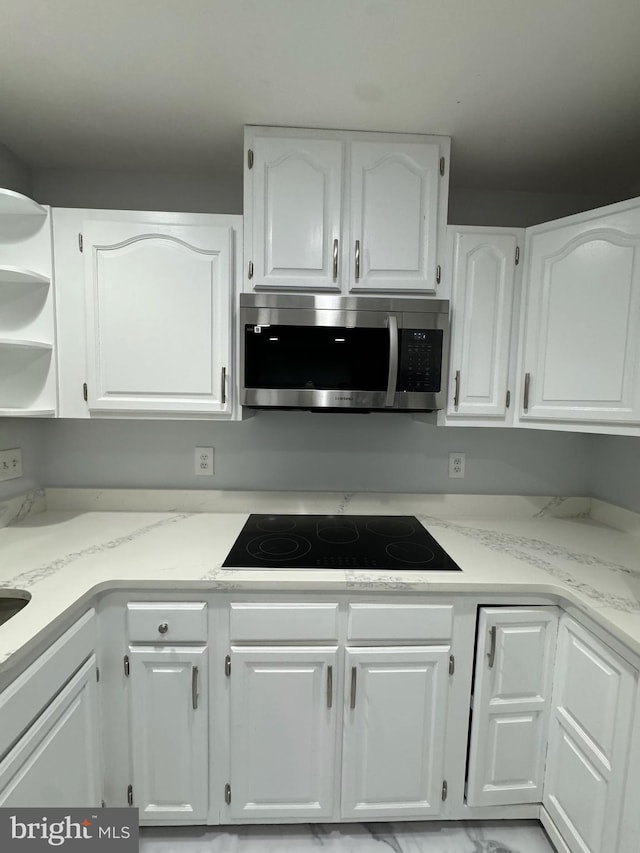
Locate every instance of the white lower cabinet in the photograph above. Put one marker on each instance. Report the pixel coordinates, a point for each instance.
(283, 732)
(169, 722)
(511, 703)
(588, 740)
(393, 746)
(57, 762)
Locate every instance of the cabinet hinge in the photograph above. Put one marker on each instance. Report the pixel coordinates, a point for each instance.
(227, 794)
(442, 165)
(227, 665)
(127, 668)
(508, 399)
(80, 242)
(445, 789)
(452, 664)
(250, 158)
(517, 258)
(97, 673)
(466, 789)
(85, 392)
(250, 271)
(438, 274)
(103, 804)
(130, 795)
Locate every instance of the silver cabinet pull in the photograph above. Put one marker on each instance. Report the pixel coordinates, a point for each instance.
(527, 385)
(163, 628)
(335, 259)
(357, 259)
(456, 396)
(223, 385)
(329, 686)
(194, 687)
(354, 675)
(492, 646)
(392, 379)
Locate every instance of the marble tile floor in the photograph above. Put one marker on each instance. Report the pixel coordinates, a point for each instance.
(424, 837)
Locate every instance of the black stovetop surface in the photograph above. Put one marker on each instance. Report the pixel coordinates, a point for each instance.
(383, 542)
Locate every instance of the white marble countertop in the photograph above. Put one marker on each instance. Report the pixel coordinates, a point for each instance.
(71, 544)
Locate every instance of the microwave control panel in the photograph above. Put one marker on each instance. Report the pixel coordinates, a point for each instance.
(420, 359)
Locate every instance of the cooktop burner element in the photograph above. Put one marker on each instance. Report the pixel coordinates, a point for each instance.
(380, 542)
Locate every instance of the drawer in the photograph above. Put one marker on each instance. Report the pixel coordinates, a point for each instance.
(167, 622)
(284, 622)
(415, 623)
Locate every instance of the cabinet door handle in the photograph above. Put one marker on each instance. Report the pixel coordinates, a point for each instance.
(329, 686)
(357, 259)
(335, 259)
(527, 385)
(492, 646)
(456, 396)
(354, 675)
(223, 385)
(194, 687)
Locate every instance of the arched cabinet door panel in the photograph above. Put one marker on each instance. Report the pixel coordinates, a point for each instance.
(581, 353)
(296, 213)
(158, 317)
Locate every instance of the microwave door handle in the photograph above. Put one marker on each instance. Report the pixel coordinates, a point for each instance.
(392, 323)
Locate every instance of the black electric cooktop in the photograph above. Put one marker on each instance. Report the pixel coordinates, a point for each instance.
(383, 542)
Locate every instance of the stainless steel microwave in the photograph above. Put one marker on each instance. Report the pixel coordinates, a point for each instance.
(340, 353)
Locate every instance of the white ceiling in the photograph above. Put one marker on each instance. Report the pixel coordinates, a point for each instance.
(537, 94)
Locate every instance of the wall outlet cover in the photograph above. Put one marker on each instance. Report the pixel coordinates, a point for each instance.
(204, 461)
(10, 464)
(456, 465)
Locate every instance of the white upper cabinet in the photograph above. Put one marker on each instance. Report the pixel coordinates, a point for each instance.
(145, 313)
(394, 216)
(296, 211)
(580, 348)
(27, 325)
(342, 211)
(485, 286)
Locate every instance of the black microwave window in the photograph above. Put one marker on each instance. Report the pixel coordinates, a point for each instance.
(316, 357)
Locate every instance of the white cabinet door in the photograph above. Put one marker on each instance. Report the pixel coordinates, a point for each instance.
(158, 317)
(296, 207)
(394, 731)
(394, 216)
(483, 287)
(57, 762)
(588, 742)
(169, 733)
(581, 315)
(283, 733)
(511, 704)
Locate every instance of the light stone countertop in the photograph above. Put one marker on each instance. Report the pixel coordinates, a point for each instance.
(68, 545)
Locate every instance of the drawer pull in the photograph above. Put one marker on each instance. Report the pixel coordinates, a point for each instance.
(163, 627)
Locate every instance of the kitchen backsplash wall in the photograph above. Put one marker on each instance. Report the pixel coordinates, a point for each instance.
(291, 451)
(616, 470)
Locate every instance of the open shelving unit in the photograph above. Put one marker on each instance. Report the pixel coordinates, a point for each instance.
(27, 323)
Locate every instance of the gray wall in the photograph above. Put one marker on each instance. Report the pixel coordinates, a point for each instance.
(14, 174)
(26, 434)
(616, 470)
(222, 193)
(305, 451)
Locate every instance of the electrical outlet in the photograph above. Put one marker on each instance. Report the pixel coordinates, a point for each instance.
(456, 465)
(10, 464)
(204, 461)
